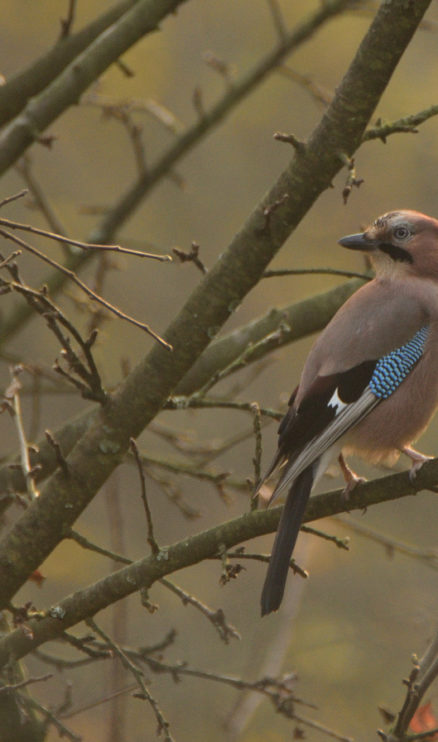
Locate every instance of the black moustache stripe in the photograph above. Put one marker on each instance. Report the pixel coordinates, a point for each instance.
(396, 253)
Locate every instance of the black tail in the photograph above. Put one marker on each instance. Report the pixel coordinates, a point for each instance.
(287, 533)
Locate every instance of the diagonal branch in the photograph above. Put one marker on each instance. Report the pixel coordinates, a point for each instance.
(299, 320)
(209, 119)
(144, 572)
(30, 81)
(143, 17)
(278, 327)
(123, 208)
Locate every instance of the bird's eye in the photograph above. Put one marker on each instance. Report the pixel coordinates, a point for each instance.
(401, 233)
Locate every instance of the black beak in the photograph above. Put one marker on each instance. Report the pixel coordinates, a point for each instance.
(358, 242)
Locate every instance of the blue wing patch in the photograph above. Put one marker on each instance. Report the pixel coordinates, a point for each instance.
(393, 368)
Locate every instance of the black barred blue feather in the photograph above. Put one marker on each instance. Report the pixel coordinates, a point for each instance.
(393, 368)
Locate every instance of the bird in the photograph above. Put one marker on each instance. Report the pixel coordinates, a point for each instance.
(369, 385)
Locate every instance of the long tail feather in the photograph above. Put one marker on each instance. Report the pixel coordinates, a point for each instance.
(289, 526)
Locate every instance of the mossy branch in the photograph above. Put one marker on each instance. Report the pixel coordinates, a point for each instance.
(195, 549)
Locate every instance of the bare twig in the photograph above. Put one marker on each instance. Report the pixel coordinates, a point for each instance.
(135, 22)
(278, 20)
(218, 65)
(341, 543)
(6, 262)
(50, 717)
(209, 119)
(66, 23)
(91, 294)
(24, 683)
(257, 460)
(40, 302)
(123, 114)
(182, 467)
(194, 402)
(314, 271)
(12, 395)
(278, 690)
(424, 672)
(197, 548)
(298, 145)
(217, 618)
(117, 216)
(153, 108)
(60, 458)
(352, 179)
(391, 545)
(429, 735)
(40, 199)
(119, 612)
(174, 495)
(77, 243)
(124, 68)
(240, 553)
(86, 544)
(250, 351)
(10, 199)
(163, 725)
(321, 728)
(322, 96)
(404, 125)
(151, 538)
(192, 256)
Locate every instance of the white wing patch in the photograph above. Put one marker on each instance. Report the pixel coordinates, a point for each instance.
(336, 402)
(347, 416)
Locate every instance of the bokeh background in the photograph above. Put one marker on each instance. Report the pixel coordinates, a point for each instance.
(349, 633)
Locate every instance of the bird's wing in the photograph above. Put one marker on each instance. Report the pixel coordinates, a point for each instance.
(379, 317)
(333, 404)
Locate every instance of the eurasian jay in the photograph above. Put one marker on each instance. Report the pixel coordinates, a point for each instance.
(370, 383)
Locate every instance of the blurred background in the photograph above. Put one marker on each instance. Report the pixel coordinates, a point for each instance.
(350, 631)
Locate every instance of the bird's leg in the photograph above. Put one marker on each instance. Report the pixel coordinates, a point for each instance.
(351, 478)
(417, 458)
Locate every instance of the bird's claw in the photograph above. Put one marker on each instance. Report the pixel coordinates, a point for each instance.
(352, 483)
(418, 460)
(351, 479)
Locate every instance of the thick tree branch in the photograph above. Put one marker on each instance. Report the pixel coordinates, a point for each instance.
(65, 89)
(279, 326)
(143, 393)
(297, 321)
(27, 83)
(235, 94)
(144, 572)
(123, 208)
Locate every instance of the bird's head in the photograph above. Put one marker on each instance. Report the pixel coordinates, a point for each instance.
(400, 242)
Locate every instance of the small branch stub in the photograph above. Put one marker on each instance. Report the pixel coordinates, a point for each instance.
(190, 257)
(298, 145)
(352, 179)
(270, 210)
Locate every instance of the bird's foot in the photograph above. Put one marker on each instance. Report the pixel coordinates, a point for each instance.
(351, 478)
(417, 458)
